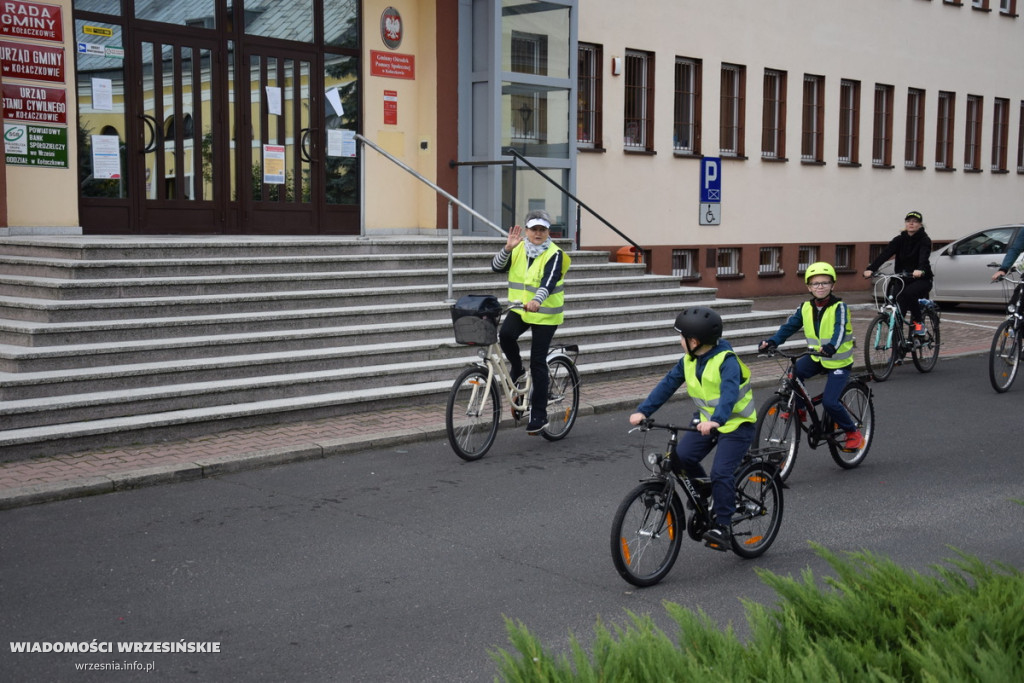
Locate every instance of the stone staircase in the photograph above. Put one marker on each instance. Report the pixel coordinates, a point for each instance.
(113, 340)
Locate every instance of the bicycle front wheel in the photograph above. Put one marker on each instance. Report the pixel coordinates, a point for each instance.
(777, 429)
(858, 403)
(879, 348)
(758, 514)
(472, 416)
(925, 351)
(1004, 358)
(563, 398)
(647, 532)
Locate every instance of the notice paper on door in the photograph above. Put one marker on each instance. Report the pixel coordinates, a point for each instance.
(273, 164)
(273, 100)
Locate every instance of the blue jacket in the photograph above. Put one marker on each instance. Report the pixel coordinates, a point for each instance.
(796, 323)
(670, 383)
(1015, 249)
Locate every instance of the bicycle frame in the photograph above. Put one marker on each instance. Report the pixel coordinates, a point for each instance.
(885, 302)
(793, 389)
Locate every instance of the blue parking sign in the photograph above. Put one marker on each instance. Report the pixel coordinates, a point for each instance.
(710, 180)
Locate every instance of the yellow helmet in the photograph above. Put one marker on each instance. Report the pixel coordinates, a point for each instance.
(820, 268)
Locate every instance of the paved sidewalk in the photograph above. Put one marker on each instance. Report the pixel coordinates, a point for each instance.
(78, 474)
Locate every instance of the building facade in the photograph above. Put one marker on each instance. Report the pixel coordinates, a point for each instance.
(735, 142)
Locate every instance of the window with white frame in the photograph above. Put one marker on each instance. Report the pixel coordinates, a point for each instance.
(639, 101)
(1008, 7)
(849, 121)
(732, 114)
(588, 108)
(881, 144)
(727, 261)
(972, 136)
(1000, 133)
(813, 119)
(914, 153)
(686, 124)
(979, 4)
(944, 130)
(773, 116)
(770, 261)
(805, 256)
(684, 263)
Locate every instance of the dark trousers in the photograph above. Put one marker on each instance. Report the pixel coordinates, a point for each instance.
(511, 330)
(807, 367)
(732, 446)
(916, 288)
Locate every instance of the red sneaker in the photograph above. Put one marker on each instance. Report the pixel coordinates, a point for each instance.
(854, 441)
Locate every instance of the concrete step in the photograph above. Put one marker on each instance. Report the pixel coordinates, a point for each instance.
(120, 269)
(30, 441)
(602, 342)
(586, 277)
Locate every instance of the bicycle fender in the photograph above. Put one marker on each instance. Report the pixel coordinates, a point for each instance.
(569, 352)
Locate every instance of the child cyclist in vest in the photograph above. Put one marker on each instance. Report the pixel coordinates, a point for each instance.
(719, 384)
(536, 271)
(826, 323)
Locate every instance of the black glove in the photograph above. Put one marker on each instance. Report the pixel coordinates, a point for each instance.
(768, 345)
(828, 350)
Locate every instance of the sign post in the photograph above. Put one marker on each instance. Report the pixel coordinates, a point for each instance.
(710, 191)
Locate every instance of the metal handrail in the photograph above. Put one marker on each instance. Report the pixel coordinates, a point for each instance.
(438, 190)
(637, 250)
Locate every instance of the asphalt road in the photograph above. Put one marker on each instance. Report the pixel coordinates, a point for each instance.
(401, 565)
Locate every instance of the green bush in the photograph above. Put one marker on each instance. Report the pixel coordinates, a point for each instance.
(874, 621)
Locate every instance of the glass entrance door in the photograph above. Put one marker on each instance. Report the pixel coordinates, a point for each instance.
(279, 184)
(181, 145)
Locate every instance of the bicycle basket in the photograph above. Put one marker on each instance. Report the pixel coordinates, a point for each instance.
(475, 318)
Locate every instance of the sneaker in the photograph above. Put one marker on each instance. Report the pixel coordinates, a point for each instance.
(917, 329)
(718, 537)
(800, 413)
(854, 441)
(536, 426)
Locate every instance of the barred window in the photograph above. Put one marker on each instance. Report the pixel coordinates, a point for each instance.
(684, 263)
(915, 128)
(972, 137)
(686, 126)
(844, 257)
(770, 262)
(588, 108)
(732, 119)
(849, 121)
(944, 130)
(728, 261)
(639, 104)
(813, 119)
(881, 145)
(806, 255)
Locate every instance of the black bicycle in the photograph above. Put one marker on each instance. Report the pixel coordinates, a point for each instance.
(889, 339)
(786, 413)
(648, 527)
(1005, 355)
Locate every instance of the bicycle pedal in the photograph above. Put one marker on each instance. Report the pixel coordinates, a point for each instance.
(714, 545)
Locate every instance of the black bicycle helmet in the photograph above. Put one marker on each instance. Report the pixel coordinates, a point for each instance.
(700, 323)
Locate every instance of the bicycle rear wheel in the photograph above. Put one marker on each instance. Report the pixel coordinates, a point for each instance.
(472, 415)
(563, 398)
(861, 407)
(647, 532)
(777, 429)
(758, 514)
(880, 348)
(1004, 357)
(925, 351)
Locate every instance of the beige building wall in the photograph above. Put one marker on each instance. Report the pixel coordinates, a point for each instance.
(39, 197)
(904, 43)
(395, 200)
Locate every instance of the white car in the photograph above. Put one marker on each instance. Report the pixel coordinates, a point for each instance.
(962, 272)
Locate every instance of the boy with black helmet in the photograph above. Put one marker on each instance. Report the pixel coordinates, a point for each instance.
(719, 384)
(826, 323)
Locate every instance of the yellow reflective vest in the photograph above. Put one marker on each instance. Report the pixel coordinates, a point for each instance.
(706, 392)
(844, 352)
(524, 280)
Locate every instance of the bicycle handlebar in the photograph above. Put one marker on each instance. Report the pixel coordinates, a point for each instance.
(648, 424)
(792, 355)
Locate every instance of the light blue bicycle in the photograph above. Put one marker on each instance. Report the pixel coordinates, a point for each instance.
(889, 338)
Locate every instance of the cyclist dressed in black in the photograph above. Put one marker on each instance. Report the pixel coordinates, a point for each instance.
(912, 247)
